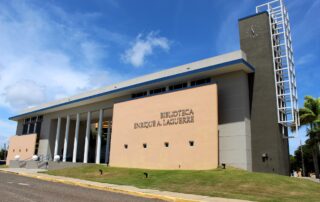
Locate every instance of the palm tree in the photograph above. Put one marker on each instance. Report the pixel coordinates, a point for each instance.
(310, 117)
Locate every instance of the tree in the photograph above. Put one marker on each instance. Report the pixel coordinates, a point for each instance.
(296, 159)
(310, 117)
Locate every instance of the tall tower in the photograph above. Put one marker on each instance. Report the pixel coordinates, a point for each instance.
(266, 39)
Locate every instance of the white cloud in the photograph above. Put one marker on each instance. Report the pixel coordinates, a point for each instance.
(305, 59)
(228, 38)
(24, 93)
(143, 47)
(7, 129)
(46, 55)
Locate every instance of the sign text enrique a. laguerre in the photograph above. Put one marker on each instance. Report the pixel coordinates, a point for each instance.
(176, 117)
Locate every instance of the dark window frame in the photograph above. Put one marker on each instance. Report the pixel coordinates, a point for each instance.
(178, 86)
(200, 82)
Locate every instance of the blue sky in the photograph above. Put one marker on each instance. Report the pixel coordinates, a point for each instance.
(52, 49)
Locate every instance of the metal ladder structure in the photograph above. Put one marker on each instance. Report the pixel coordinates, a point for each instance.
(283, 63)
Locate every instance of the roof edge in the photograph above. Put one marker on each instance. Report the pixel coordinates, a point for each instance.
(216, 66)
(255, 14)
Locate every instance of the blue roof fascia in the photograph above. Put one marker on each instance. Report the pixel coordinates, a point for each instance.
(217, 66)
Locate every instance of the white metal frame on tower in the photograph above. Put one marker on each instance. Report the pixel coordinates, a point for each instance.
(283, 63)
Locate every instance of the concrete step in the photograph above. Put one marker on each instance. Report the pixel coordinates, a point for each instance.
(17, 164)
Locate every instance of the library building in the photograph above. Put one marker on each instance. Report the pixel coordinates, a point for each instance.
(232, 109)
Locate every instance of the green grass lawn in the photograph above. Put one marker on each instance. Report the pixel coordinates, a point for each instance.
(229, 183)
(3, 166)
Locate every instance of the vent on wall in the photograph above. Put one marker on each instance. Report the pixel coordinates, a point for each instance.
(283, 63)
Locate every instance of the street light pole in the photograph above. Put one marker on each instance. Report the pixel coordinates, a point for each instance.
(302, 160)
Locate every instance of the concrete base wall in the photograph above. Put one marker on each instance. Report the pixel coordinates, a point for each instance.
(17, 164)
(234, 121)
(60, 165)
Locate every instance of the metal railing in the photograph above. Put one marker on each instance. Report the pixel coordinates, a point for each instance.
(283, 63)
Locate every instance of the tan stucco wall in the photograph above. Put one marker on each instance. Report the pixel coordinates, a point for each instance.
(203, 131)
(23, 145)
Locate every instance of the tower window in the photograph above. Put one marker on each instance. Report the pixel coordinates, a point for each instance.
(166, 144)
(125, 146)
(144, 145)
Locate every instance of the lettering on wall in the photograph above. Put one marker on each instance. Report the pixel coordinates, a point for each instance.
(176, 117)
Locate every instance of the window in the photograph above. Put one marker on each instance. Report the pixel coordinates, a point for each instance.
(32, 125)
(157, 90)
(40, 118)
(13, 150)
(125, 146)
(140, 94)
(191, 143)
(200, 82)
(178, 86)
(19, 150)
(144, 145)
(27, 121)
(166, 144)
(26, 150)
(31, 128)
(25, 129)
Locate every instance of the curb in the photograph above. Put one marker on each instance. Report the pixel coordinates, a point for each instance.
(103, 188)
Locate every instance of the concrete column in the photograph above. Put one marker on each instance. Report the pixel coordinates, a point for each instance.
(75, 142)
(66, 137)
(56, 144)
(28, 130)
(86, 143)
(108, 142)
(98, 147)
(35, 127)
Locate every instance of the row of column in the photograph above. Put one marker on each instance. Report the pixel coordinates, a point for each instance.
(87, 138)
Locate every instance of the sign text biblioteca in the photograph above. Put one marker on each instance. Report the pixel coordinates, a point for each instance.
(176, 117)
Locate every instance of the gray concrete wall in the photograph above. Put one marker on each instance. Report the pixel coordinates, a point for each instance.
(61, 165)
(234, 120)
(266, 134)
(19, 127)
(44, 138)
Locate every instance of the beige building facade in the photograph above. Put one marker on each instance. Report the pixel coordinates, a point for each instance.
(22, 147)
(167, 131)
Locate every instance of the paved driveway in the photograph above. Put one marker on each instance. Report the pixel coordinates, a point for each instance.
(19, 188)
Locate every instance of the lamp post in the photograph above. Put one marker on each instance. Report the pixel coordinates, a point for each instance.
(302, 161)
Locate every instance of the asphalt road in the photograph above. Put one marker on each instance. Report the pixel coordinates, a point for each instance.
(18, 188)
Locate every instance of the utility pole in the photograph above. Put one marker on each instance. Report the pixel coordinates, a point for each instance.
(302, 160)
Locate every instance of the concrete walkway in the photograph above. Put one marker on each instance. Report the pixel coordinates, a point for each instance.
(311, 179)
(149, 193)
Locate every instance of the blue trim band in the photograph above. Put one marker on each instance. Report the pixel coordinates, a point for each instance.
(249, 16)
(217, 66)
